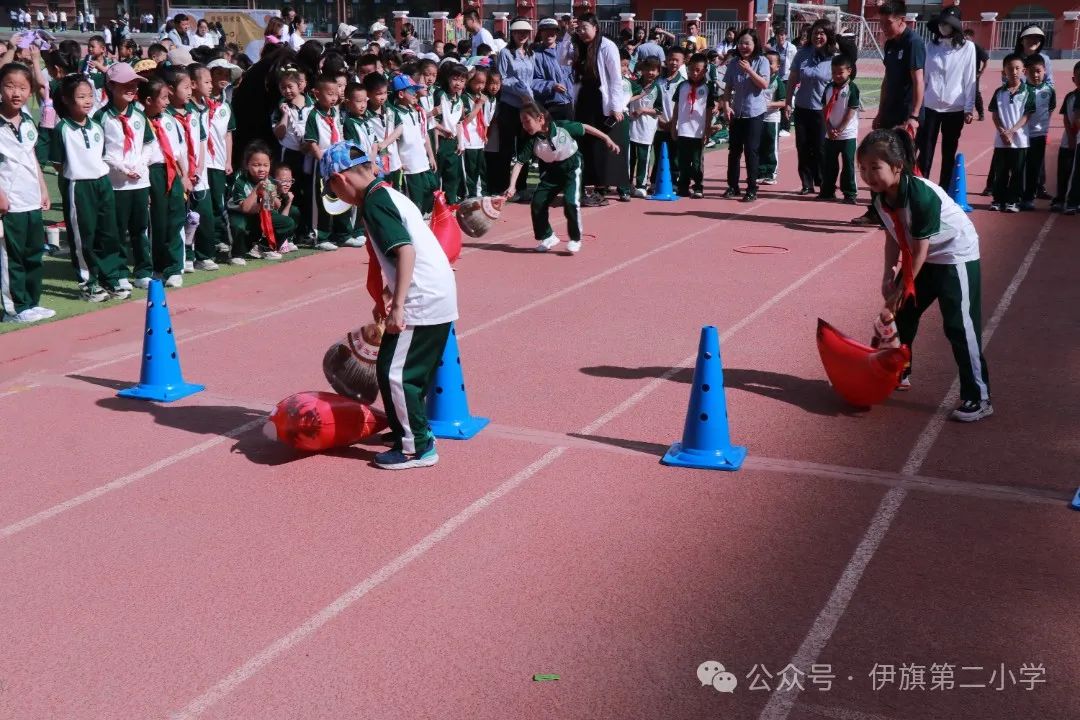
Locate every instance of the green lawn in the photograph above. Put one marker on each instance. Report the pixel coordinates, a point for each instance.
(60, 290)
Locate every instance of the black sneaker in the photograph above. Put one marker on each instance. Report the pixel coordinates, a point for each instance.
(731, 192)
(971, 411)
(750, 196)
(624, 196)
(868, 219)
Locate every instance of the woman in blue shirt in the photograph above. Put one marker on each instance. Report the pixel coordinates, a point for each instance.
(811, 71)
(747, 77)
(515, 64)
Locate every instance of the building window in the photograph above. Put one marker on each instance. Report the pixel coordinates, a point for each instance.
(1030, 12)
(721, 15)
(667, 15)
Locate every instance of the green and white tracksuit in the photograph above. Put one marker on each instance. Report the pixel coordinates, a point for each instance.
(302, 165)
(951, 275)
(127, 135)
(668, 88)
(380, 124)
(839, 159)
(420, 180)
(474, 134)
(560, 172)
(190, 138)
(21, 248)
(451, 165)
(769, 150)
(324, 129)
(407, 361)
(89, 203)
(167, 209)
(642, 132)
(1008, 160)
(694, 107)
(247, 227)
(219, 122)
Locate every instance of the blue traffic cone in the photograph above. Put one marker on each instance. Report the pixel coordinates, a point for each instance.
(958, 186)
(1075, 505)
(447, 404)
(664, 189)
(160, 378)
(706, 444)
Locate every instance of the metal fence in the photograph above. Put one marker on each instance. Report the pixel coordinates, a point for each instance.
(1008, 32)
(712, 30)
(425, 28)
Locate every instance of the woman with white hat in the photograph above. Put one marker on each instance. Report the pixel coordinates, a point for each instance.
(515, 64)
(601, 102)
(1031, 41)
(949, 99)
(377, 31)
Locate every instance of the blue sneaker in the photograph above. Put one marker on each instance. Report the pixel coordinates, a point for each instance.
(397, 460)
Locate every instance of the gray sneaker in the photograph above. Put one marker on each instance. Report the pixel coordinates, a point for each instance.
(971, 411)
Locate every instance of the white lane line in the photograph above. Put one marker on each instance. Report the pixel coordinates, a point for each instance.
(124, 481)
(271, 652)
(936, 485)
(781, 703)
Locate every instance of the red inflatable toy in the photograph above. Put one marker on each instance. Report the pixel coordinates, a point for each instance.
(861, 375)
(315, 421)
(445, 226)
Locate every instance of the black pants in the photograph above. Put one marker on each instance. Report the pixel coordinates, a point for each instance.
(1034, 168)
(508, 120)
(1009, 174)
(949, 125)
(561, 112)
(1068, 178)
(809, 144)
(744, 138)
(979, 103)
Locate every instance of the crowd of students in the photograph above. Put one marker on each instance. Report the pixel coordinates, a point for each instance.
(183, 156)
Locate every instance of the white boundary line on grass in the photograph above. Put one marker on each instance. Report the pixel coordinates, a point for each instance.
(254, 665)
(781, 703)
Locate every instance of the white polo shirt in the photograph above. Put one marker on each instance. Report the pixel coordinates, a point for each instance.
(1010, 107)
(297, 123)
(134, 159)
(19, 165)
(473, 131)
(324, 129)
(220, 122)
(451, 109)
(1038, 125)
(693, 109)
(848, 97)
(380, 125)
(197, 140)
(411, 145)
(80, 148)
(392, 220)
(928, 213)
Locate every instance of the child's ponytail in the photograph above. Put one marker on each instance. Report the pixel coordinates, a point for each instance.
(894, 146)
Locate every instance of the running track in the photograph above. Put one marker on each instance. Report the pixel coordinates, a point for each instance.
(167, 561)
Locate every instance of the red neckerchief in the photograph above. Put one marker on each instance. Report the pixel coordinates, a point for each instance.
(907, 274)
(831, 104)
(129, 134)
(334, 136)
(185, 122)
(374, 270)
(166, 150)
(266, 220)
(692, 96)
(211, 109)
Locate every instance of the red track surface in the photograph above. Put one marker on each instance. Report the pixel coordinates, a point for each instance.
(168, 561)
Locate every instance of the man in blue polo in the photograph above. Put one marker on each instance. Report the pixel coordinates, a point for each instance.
(902, 88)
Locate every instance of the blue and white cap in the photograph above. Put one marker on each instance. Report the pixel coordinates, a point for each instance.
(338, 158)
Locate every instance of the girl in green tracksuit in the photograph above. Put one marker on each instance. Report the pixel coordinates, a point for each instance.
(77, 150)
(554, 144)
(937, 249)
(22, 198)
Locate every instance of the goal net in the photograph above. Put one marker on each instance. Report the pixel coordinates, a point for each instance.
(800, 16)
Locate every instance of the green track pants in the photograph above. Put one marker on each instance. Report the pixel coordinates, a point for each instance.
(21, 268)
(90, 216)
(405, 369)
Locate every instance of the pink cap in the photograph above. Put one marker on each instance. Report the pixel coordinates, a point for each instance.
(121, 73)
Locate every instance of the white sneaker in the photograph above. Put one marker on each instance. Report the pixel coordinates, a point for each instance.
(574, 246)
(288, 246)
(124, 284)
(206, 265)
(325, 245)
(174, 281)
(222, 248)
(271, 255)
(119, 294)
(189, 266)
(355, 242)
(26, 317)
(237, 261)
(547, 243)
(142, 283)
(639, 193)
(43, 313)
(784, 133)
(971, 411)
(255, 253)
(1012, 208)
(93, 293)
